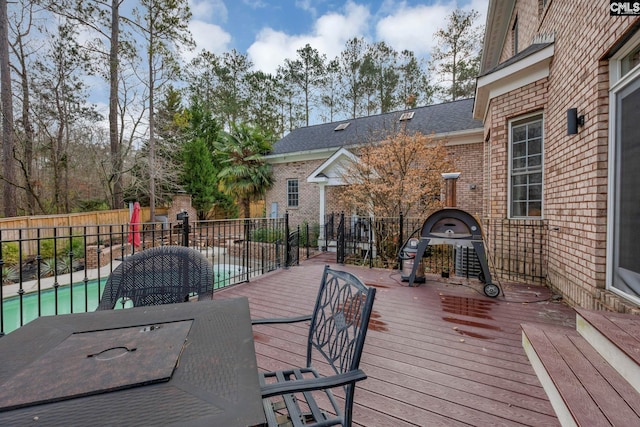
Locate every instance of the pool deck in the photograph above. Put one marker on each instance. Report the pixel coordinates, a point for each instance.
(440, 354)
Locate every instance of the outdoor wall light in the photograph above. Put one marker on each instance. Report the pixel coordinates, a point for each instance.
(573, 121)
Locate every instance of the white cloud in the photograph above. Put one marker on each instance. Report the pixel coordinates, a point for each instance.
(412, 28)
(209, 37)
(209, 10)
(329, 36)
(255, 4)
(306, 5)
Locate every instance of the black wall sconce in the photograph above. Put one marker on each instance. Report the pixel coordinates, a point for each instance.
(573, 121)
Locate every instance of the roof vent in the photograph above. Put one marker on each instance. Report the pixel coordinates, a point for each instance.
(342, 126)
(406, 116)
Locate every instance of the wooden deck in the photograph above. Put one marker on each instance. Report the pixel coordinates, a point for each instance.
(437, 354)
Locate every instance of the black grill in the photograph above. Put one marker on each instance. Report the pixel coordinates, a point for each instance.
(452, 226)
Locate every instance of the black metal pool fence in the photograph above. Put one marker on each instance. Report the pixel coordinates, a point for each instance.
(37, 260)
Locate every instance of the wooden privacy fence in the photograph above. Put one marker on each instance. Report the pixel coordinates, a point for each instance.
(30, 229)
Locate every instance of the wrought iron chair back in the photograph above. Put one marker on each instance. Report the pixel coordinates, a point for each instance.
(160, 275)
(340, 320)
(337, 332)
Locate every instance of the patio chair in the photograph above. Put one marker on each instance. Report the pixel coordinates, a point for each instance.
(336, 334)
(160, 275)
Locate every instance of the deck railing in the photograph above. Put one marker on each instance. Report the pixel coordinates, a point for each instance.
(516, 249)
(55, 270)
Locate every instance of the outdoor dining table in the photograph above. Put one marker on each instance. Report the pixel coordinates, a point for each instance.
(176, 364)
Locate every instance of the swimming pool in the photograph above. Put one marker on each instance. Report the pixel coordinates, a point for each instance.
(224, 274)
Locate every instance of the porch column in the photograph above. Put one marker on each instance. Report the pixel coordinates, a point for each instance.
(321, 207)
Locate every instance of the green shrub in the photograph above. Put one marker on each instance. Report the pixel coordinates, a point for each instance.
(77, 246)
(10, 253)
(62, 247)
(266, 235)
(312, 238)
(47, 247)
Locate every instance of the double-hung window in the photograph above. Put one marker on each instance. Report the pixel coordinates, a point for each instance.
(525, 157)
(292, 193)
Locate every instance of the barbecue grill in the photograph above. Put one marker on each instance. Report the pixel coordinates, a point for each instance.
(450, 226)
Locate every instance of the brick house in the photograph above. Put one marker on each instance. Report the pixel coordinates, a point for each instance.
(306, 162)
(559, 96)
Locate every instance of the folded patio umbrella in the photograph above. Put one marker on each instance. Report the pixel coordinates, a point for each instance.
(134, 226)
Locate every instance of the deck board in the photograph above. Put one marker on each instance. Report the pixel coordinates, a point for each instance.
(436, 354)
(622, 329)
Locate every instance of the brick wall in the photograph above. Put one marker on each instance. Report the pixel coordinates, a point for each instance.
(180, 203)
(309, 193)
(467, 159)
(105, 254)
(575, 166)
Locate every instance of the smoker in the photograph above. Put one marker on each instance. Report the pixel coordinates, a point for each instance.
(451, 226)
(408, 259)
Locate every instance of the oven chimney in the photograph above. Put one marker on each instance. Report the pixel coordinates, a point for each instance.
(450, 179)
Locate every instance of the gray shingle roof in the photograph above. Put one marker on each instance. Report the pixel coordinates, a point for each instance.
(439, 118)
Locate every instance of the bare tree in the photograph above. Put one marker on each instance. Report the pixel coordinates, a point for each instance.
(103, 18)
(163, 24)
(22, 28)
(397, 171)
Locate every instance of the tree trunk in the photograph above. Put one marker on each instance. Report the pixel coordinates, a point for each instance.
(29, 136)
(8, 172)
(117, 200)
(152, 141)
(246, 207)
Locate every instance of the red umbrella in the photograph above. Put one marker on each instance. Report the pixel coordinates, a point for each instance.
(134, 226)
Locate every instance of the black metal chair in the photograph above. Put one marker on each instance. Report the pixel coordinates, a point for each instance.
(337, 333)
(160, 275)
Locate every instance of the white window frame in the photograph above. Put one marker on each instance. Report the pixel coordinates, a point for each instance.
(529, 117)
(619, 83)
(290, 193)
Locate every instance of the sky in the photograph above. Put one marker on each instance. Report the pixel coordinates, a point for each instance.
(269, 31)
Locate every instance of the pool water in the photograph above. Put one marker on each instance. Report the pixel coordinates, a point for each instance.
(92, 290)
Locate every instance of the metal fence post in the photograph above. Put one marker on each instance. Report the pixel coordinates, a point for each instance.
(401, 239)
(308, 239)
(286, 240)
(185, 229)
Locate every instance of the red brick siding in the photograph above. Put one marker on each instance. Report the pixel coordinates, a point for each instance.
(575, 167)
(308, 197)
(468, 160)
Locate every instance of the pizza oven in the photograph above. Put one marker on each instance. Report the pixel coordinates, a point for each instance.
(452, 226)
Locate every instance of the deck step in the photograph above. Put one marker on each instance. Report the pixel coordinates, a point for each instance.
(616, 337)
(583, 388)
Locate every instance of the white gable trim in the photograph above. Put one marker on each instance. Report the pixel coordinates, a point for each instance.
(330, 172)
(521, 73)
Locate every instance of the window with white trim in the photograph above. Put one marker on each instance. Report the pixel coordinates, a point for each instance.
(623, 236)
(293, 195)
(525, 167)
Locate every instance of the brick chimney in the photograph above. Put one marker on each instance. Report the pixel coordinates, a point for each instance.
(450, 179)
